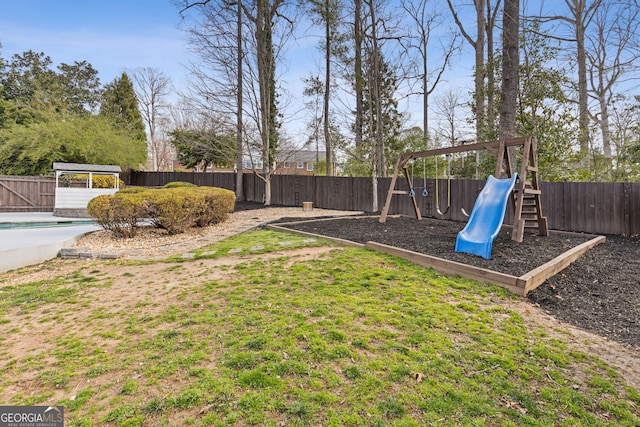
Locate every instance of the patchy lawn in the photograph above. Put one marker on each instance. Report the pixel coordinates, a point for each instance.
(270, 328)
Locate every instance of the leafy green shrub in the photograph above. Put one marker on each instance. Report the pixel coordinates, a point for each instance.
(118, 213)
(219, 203)
(178, 184)
(174, 209)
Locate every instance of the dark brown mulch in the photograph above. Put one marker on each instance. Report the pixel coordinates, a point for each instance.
(600, 292)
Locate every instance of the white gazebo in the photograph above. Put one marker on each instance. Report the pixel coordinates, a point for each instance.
(74, 187)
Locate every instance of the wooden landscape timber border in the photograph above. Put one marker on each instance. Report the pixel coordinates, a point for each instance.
(518, 285)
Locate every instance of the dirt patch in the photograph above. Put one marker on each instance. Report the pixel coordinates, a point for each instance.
(117, 291)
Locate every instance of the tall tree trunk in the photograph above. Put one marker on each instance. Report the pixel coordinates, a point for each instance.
(239, 118)
(374, 84)
(359, 80)
(583, 100)
(582, 15)
(327, 88)
(604, 128)
(425, 101)
(263, 66)
(266, 84)
(510, 73)
(490, 128)
(480, 70)
(510, 69)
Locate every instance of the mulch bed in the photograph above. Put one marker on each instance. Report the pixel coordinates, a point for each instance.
(600, 292)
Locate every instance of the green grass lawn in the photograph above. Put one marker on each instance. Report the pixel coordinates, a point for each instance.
(288, 331)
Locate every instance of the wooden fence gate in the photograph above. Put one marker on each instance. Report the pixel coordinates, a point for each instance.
(27, 193)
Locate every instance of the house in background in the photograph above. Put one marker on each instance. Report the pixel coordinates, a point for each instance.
(298, 162)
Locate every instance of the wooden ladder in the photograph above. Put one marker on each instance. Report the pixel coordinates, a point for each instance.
(526, 199)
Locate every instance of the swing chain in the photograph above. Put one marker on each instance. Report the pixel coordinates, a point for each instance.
(425, 192)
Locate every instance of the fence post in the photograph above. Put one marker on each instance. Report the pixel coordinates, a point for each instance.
(626, 196)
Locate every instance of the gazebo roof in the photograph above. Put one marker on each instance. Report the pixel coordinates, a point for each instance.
(79, 167)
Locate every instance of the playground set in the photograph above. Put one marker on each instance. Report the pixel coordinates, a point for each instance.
(518, 186)
(516, 183)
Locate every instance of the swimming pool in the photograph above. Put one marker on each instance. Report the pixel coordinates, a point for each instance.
(43, 224)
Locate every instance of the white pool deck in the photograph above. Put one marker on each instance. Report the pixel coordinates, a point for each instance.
(27, 246)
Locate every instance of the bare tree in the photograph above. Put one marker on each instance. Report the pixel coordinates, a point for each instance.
(152, 88)
(478, 44)
(229, 50)
(218, 40)
(425, 23)
(613, 52)
(581, 14)
(262, 16)
(448, 105)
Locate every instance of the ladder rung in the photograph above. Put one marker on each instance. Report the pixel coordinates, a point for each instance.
(532, 168)
(400, 192)
(532, 191)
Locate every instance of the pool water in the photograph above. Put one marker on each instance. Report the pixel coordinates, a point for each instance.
(44, 224)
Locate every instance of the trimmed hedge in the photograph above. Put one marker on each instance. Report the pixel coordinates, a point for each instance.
(178, 184)
(175, 209)
(118, 213)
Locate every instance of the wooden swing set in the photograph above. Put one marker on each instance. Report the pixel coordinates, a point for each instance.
(525, 199)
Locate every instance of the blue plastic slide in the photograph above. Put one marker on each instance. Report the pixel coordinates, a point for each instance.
(486, 218)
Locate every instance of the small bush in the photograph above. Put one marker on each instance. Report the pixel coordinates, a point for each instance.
(219, 203)
(174, 209)
(118, 213)
(178, 184)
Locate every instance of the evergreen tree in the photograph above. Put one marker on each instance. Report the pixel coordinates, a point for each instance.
(120, 105)
(80, 86)
(31, 85)
(390, 119)
(544, 111)
(200, 148)
(46, 116)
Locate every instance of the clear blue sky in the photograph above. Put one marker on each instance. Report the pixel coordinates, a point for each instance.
(112, 35)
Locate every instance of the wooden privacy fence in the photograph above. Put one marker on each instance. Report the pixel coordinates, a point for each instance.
(27, 193)
(158, 179)
(598, 208)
